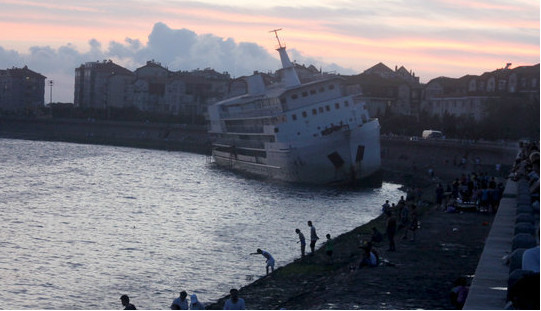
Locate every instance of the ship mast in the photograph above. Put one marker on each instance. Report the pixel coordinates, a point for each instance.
(289, 76)
(277, 38)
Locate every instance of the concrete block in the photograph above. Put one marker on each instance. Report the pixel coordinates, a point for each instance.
(523, 240)
(525, 218)
(515, 259)
(524, 228)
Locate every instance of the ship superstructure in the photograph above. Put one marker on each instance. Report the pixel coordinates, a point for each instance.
(310, 132)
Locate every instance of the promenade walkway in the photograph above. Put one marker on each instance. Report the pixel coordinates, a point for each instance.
(513, 231)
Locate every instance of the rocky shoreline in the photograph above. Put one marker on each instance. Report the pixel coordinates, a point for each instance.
(419, 276)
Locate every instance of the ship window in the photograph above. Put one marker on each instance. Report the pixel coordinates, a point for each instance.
(283, 100)
(293, 117)
(331, 87)
(294, 96)
(337, 105)
(321, 89)
(320, 109)
(304, 114)
(312, 92)
(276, 130)
(346, 103)
(314, 111)
(304, 94)
(327, 107)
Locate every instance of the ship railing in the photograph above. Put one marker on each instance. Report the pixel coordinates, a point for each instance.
(249, 114)
(241, 143)
(245, 129)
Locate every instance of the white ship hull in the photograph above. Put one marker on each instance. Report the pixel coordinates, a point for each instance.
(312, 131)
(310, 162)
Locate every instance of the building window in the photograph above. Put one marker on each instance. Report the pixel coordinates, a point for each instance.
(314, 111)
(304, 94)
(327, 107)
(321, 89)
(294, 96)
(337, 105)
(304, 114)
(294, 117)
(320, 109)
(346, 103)
(331, 87)
(312, 92)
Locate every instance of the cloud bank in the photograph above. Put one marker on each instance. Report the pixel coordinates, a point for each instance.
(176, 49)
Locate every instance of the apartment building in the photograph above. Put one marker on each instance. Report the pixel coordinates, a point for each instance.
(102, 85)
(21, 90)
(469, 95)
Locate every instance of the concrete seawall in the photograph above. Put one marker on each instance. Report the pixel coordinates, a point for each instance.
(174, 137)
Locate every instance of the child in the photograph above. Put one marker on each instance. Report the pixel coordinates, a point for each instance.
(329, 247)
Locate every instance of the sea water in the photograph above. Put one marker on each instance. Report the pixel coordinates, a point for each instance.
(84, 224)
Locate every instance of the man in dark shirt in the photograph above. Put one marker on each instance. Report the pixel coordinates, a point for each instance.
(126, 303)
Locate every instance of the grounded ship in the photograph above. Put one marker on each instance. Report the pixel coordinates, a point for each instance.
(309, 132)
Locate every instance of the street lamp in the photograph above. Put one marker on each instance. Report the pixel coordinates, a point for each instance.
(51, 83)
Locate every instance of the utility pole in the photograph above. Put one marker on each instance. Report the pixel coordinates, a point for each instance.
(51, 83)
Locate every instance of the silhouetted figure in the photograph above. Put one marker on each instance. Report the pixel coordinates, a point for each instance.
(126, 303)
(234, 302)
(313, 237)
(302, 240)
(195, 304)
(180, 303)
(269, 261)
(391, 230)
(329, 247)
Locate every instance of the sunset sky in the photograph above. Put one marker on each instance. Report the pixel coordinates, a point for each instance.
(430, 37)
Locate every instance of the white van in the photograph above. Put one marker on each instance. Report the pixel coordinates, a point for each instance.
(432, 134)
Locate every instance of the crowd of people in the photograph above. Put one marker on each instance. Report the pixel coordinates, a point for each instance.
(475, 191)
(182, 303)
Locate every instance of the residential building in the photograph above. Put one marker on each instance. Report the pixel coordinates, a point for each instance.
(21, 90)
(469, 95)
(102, 85)
(389, 91)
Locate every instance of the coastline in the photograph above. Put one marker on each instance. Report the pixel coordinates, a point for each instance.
(447, 246)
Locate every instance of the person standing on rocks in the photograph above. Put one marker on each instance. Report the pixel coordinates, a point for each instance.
(302, 240)
(313, 237)
(391, 230)
(268, 256)
(329, 247)
(414, 223)
(385, 207)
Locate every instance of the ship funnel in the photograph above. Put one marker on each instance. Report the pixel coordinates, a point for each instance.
(289, 75)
